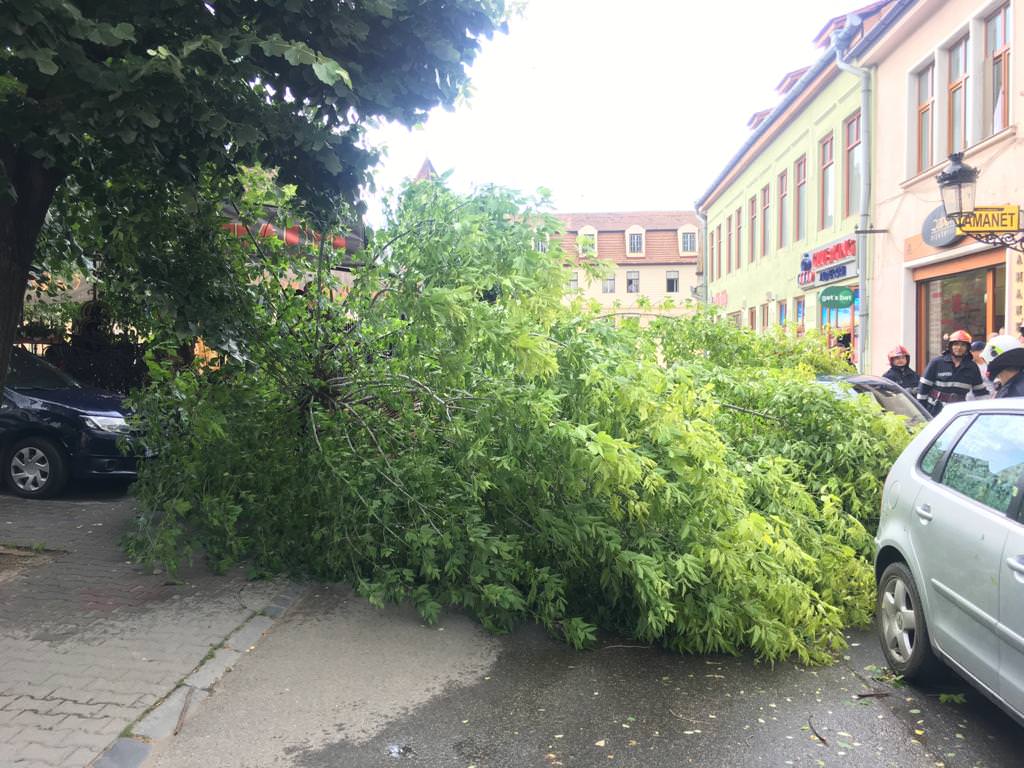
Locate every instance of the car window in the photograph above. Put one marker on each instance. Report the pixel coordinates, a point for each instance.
(942, 444)
(27, 371)
(896, 401)
(987, 461)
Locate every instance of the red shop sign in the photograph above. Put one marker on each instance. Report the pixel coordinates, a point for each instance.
(832, 254)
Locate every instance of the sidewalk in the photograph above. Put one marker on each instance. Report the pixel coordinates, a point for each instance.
(88, 641)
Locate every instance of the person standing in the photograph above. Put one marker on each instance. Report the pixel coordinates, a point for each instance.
(1005, 370)
(978, 355)
(951, 376)
(900, 371)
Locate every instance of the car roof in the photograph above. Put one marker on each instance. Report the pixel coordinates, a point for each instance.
(1000, 404)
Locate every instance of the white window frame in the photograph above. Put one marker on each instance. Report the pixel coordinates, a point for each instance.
(683, 232)
(584, 232)
(574, 281)
(671, 274)
(633, 281)
(606, 283)
(636, 229)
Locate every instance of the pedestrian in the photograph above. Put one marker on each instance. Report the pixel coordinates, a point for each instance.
(900, 370)
(1005, 370)
(951, 376)
(977, 354)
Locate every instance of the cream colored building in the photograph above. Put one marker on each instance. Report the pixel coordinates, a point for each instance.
(653, 256)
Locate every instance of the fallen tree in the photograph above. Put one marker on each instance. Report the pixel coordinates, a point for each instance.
(450, 432)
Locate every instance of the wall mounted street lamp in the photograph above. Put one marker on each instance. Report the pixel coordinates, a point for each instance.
(993, 225)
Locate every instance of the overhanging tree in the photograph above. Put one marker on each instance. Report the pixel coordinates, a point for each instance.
(177, 91)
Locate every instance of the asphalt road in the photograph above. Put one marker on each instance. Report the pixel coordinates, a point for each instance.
(340, 684)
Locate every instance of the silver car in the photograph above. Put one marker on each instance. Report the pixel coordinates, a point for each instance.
(950, 551)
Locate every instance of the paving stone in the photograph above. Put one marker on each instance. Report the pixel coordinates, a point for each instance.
(247, 635)
(212, 671)
(79, 757)
(161, 722)
(126, 753)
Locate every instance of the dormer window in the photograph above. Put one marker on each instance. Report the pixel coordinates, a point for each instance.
(586, 241)
(635, 241)
(687, 241)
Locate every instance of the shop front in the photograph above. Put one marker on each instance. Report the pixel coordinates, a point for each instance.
(824, 269)
(968, 294)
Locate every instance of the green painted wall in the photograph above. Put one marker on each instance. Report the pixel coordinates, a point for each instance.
(773, 278)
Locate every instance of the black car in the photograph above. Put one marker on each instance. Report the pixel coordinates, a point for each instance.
(52, 428)
(888, 394)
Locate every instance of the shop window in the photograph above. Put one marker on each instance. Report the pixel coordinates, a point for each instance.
(853, 166)
(998, 34)
(800, 199)
(924, 86)
(842, 324)
(783, 194)
(632, 281)
(798, 314)
(956, 97)
(826, 197)
(766, 205)
(783, 307)
(960, 300)
(672, 281)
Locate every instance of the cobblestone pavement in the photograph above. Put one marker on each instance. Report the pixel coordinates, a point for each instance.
(88, 641)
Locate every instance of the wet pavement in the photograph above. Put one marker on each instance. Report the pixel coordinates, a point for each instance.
(339, 683)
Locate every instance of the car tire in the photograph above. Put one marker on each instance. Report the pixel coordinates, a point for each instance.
(902, 628)
(35, 468)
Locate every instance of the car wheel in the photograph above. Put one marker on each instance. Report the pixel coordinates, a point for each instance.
(36, 468)
(902, 628)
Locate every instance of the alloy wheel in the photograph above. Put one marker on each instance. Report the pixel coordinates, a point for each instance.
(30, 469)
(899, 620)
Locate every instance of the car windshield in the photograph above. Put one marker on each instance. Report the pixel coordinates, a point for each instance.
(895, 400)
(28, 371)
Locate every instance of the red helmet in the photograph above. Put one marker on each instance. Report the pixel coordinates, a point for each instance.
(898, 351)
(963, 336)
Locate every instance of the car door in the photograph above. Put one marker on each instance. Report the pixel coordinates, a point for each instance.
(1011, 620)
(959, 528)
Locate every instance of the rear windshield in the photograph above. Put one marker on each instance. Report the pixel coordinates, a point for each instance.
(897, 401)
(27, 371)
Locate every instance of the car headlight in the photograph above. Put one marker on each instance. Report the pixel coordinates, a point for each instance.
(115, 424)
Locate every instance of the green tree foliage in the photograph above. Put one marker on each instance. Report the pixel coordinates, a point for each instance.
(447, 430)
(167, 95)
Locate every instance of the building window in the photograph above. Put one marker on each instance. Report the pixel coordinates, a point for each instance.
(798, 314)
(540, 245)
(718, 250)
(764, 317)
(854, 167)
(766, 207)
(633, 281)
(672, 281)
(736, 318)
(688, 242)
(739, 237)
(957, 97)
(997, 66)
(826, 209)
(800, 201)
(608, 285)
(586, 241)
(711, 256)
(783, 193)
(924, 83)
(636, 244)
(753, 229)
(574, 281)
(728, 243)
(752, 318)
(783, 307)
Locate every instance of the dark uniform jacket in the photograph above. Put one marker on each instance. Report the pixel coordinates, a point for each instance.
(942, 382)
(906, 377)
(1013, 388)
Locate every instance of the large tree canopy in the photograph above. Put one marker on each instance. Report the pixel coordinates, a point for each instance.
(177, 91)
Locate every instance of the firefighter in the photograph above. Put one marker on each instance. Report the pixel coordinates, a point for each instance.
(900, 370)
(951, 376)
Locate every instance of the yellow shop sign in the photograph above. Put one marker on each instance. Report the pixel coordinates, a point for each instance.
(991, 218)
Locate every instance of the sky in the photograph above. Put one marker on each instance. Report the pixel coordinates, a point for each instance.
(613, 106)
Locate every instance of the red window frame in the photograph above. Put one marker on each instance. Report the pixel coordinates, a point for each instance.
(999, 54)
(752, 318)
(782, 192)
(800, 210)
(957, 83)
(765, 317)
(925, 106)
(739, 237)
(728, 243)
(753, 229)
(851, 140)
(826, 155)
(718, 249)
(711, 256)
(766, 212)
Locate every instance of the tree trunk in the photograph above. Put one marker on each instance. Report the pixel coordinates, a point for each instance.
(20, 224)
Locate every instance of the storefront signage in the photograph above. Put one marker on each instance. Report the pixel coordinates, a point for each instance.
(836, 297)
(836, 261)
(939, 231)
(992, 218)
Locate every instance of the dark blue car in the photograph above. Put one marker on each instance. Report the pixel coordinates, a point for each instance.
(52, 429)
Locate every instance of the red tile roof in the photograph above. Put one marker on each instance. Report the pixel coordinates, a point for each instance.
(620, 222)
(661, 241)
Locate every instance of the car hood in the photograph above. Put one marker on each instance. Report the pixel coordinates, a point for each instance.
(97, 402)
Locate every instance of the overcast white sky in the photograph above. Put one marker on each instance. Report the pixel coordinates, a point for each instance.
(611, 105)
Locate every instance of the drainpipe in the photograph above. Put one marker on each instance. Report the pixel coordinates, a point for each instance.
(840, 40)
(704, 255)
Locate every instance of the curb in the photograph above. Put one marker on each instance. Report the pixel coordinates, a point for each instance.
(166, 718)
